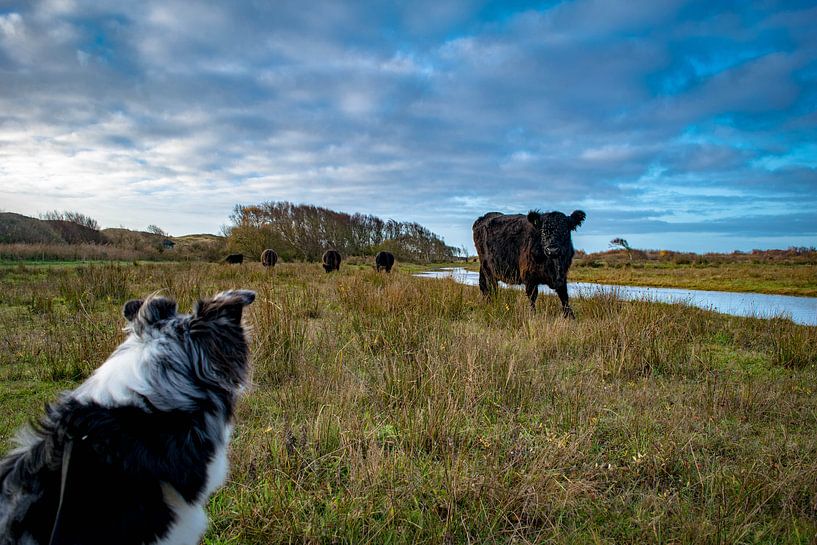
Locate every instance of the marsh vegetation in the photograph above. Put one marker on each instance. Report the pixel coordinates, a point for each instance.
(393, 409)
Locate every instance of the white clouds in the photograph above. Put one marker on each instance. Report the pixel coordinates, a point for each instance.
(357, 102)
(55, 8)
(611, 152)
(406, 64)
(168, 106)
(11, 25)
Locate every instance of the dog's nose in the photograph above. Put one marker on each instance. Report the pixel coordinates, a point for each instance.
(552, 250)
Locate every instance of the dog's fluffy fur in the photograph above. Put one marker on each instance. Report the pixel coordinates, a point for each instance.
(148, 434)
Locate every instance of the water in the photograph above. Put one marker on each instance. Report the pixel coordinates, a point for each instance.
(801, 310)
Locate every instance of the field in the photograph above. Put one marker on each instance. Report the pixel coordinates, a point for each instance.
(778, 278)
(392, 409)
(768, 273)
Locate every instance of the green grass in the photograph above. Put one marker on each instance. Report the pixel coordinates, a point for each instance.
(392, 409)
(765, 277)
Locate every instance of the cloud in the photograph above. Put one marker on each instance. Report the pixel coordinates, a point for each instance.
(433, 112)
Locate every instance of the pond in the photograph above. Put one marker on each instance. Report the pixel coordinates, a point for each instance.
(801, 310)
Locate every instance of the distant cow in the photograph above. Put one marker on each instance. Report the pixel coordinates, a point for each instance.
(331, 260)
(530, 250)
(234, 259)
(269, 258)
(384, 260)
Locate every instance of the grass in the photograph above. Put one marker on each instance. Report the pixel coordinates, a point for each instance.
(776, 278)
(724, 274)
(392, 409)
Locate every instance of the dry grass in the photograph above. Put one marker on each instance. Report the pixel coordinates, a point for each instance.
(390, 409)
(782, 279)
(65, 252)
(785, 272)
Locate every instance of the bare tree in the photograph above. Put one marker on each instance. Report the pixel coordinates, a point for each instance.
(71, 217)
(306, 231)
(156, 230)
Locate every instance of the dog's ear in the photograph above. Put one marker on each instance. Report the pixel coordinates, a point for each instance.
(227, 305)
(155, 309)
(131, 308)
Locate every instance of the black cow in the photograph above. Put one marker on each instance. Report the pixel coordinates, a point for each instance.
(234, 259)
(331, 260)
(269, 258)
(384, 260)
(530, 250)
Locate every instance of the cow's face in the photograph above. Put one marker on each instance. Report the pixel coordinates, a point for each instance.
(554, 229)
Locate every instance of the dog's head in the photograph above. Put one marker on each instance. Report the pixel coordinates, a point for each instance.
(175, 361)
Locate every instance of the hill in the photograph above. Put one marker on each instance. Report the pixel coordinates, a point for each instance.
(23, 237)
(16, 228)
(74, 233)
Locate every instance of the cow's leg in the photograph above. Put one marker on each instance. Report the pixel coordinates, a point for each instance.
(567, 312)
(532, 291)
(487, 284)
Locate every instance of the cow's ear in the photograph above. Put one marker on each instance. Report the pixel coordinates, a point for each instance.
(534, 217)
(576, 219)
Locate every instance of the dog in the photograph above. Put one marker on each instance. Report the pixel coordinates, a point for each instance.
(131, 456)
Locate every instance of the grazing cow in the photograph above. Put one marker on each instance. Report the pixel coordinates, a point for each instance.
(269, 258)
(384, 260)
(234, 259)
(331, 260)
(530, 250)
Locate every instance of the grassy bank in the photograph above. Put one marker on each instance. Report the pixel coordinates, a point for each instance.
(781, 279)
(736, 276)
(391, 409)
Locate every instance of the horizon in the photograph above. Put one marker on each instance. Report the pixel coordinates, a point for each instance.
(609, 248)
(682, 126)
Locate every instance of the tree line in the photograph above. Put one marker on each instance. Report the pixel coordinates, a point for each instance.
(304, 232)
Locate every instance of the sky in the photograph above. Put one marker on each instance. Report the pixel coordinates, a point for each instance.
(682, 125)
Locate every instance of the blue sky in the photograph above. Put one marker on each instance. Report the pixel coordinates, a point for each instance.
(677, 125)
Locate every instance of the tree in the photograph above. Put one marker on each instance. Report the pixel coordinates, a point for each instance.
(623, 244)
(71, 217)
(156, 230)
(305, 231)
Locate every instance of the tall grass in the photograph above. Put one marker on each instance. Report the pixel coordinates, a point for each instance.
(392, 409)
(794, 276)
(63, 252)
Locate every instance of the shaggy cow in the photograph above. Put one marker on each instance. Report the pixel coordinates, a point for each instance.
(269, 258)
(384, 260)
(234, 259)
(530, 250)
(331, 260)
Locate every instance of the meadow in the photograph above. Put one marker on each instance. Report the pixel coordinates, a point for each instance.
(392, 409)
(778, 278)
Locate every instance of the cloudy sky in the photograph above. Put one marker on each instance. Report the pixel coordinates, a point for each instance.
(680, 125)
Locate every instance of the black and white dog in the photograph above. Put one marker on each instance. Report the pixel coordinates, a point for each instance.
(132, 455)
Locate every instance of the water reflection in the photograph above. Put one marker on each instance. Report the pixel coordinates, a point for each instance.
(802, 310)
